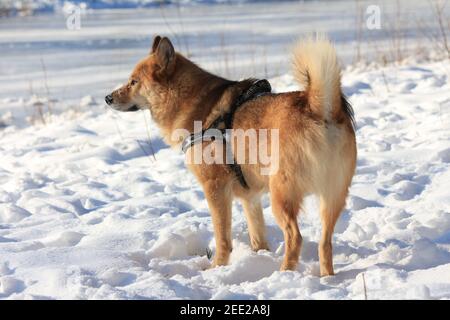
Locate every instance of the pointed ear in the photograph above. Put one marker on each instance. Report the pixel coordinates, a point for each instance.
(156, 41)
(165, 54)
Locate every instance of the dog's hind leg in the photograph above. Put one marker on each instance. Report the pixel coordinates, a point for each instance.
(256, 225)
(330, 210)
(219, 201)
(285, 206)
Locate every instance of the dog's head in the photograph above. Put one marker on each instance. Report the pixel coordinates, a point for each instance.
(146, 84)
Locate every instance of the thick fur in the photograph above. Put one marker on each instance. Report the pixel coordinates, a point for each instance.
(317, 149)
(316, 69)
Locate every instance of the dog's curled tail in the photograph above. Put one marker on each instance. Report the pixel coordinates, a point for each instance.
(317, 69)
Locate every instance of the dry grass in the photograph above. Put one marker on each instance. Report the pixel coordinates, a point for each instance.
(397, 46)
(358, 31)
(437, 35)
(364, 286)
(22, 8)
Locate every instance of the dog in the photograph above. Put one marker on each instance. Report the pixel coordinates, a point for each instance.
(317, 144)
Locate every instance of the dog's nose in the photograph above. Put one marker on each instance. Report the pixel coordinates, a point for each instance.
(109, 99)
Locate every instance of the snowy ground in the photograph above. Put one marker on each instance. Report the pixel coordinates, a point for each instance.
(86, 213)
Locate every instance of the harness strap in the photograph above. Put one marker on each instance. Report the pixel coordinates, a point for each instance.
(197, 137)
(258, 88)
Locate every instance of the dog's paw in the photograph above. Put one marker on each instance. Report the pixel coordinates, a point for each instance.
(260, 246)
(289, 265)
(212, 265)
(218, 263)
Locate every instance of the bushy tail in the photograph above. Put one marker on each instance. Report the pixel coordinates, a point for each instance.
(316, 68)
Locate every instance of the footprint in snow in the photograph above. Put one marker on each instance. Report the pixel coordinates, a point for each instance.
(390, 116)
(365, 121)
(65, 239)
(10, 285)
(407, 190)
(407, 87)
(398, 177)
(357, 203)
(5, 269)
(443, 156)
(117, 278)
(12, 213)
(3, 239)
(357, 87)
(94, 221)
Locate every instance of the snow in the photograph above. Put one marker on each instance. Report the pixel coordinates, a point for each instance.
(87, 212)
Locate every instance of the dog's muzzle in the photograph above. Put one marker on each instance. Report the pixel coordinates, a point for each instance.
(110, 102)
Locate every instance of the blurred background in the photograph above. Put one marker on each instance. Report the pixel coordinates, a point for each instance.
(65, 50)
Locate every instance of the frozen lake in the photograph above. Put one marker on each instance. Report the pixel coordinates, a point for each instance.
(234, 40)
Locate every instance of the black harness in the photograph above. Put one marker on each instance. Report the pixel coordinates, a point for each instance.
(225, 121)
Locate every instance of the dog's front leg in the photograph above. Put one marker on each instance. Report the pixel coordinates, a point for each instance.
(219, 197)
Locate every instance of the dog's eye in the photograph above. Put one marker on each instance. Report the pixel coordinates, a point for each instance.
(133, 82)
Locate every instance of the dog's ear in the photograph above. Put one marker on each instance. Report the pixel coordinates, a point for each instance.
(165, 55)
(156, 41)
